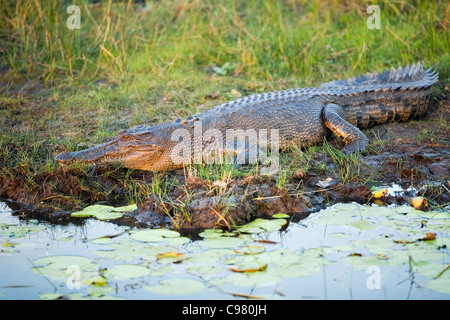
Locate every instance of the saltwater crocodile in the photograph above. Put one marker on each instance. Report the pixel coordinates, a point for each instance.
(302, 116)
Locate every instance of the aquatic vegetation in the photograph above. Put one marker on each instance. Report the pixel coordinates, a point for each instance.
(348, 237)
(103, 212)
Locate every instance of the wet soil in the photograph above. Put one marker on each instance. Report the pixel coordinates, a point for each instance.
(412, 154)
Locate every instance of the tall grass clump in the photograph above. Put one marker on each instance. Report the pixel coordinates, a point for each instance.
(258, 39)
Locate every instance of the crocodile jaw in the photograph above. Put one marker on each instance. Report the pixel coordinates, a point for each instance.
(131, 155)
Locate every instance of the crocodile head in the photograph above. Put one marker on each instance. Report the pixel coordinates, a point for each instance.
(136, 148)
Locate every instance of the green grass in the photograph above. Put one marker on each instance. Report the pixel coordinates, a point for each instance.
(69, 89)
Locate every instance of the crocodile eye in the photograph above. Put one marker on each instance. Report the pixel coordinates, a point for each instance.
(125, 137)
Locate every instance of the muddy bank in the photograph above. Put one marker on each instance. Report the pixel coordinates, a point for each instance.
(53, 195)
(412, 154)
(221, 204)
(194, 203)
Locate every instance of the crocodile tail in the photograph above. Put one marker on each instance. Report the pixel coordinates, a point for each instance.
(409, 77)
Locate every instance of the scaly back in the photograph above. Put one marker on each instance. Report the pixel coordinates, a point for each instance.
(401, 79)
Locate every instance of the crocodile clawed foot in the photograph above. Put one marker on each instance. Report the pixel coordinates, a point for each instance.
(355, 146)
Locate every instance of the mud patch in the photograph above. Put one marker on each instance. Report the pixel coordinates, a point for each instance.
(202, 204)
(47, 195)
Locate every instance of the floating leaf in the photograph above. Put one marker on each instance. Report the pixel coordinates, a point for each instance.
(337, 215)
(171, 256)
(379, 193)
(404, 241)
(50, 296)
(7, 244)
(429, 236)
(209, 256)
(444, 215)
(154, 235)
(203, 270)
(63, 262)
(440, 284)
(127, 250)
(61, 267)
(218, 252)
(276, 257)
(252, 279)
(161, 271)
(103, 212)
(95, 281)
(251, 250)
(433, 270)
(376, 211)
(128, 208)
(250, 268)
(340, 235)
(222, 242)
(363, 224)
(280, 215)
(18, 231)
(355, 254)
(213, 233)
(419, 203)
(343, 248)
(266, 241)
(126, 271)
(407, 211)
(177, 286)
(91, 211)
(262, 225)
(346, 207)
(362, 262)
(108, 215)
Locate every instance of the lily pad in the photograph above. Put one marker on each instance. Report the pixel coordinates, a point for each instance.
(96, 280)
(376, 211)
(222, 242)
(439, 274)
(126, 271)
(280, 215)
(362, 262)
(103, 212)
(336, 216)
(209, 256)
(340, 235)
(127, 250)
(216, 233)
(177, 286)
(50, 296)
(128, 208)
(253, 249)
(63, 262)
(262, 225)
(154, 235)
(91, 211)
(62, 267)
(18, 231)
(250, 279)
(440, 285)
(362, 224)
(108, 215)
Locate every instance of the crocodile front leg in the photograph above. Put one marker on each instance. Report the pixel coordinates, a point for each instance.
(334, 118)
